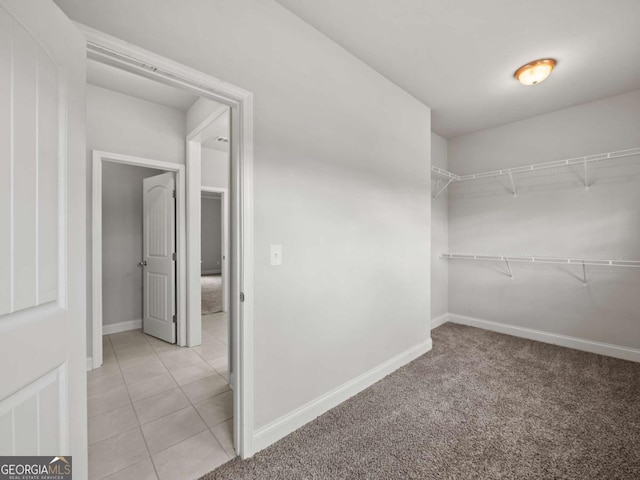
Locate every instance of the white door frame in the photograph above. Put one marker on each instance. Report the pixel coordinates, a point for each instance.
(201, 133)
(100, 157)
(110, 50)
(224, 264)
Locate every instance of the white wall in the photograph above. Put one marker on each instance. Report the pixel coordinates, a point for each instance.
(123, 124)
(122, 241)
(199, 111)
(215, 168)
(341, 180)
(211, 234)
(439, 234)
(215, 164)
(552, 215)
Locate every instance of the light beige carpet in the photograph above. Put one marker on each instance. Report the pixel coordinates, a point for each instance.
(211, 293)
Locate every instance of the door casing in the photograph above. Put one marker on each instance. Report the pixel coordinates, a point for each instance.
(112, 51)
(99, 157)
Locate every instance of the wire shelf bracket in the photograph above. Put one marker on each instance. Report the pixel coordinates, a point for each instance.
(513, 185)
(509, 268)
(441, 190)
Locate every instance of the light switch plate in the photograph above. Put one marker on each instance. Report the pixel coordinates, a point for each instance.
(276, 255)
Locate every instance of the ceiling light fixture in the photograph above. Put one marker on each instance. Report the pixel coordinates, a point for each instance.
(535, 72)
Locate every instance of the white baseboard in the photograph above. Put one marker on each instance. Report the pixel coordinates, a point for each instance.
(89, 364)
(211, 272)
(274, 431)
(624, 353)
(436, 322)
(121, 327)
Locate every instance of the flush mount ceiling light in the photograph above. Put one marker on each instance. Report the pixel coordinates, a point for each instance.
(535, 72)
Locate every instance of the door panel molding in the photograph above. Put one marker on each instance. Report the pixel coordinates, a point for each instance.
(32, 119)
(40, 408)
(158, 239)
(43, 165)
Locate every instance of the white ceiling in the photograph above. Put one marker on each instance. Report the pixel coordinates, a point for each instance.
(118, 80)
(221, 131)
(137, 86)
(458, 56)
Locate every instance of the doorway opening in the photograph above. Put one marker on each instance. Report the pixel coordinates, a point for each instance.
(212, 275)
(173, 375)
(136, 266)
(214, 280)
(210, 141)
(190, 368)
(125, 286)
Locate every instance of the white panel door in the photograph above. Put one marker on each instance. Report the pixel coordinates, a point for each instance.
(159, 253)
(42, 233)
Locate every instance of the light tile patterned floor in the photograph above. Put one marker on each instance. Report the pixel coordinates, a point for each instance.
(157, 411)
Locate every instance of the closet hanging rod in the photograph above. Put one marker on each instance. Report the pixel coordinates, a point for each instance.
(585, 160)
(543, 259)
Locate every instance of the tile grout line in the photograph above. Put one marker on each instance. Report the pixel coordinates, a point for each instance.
(127, 466)
(201, 417)
(231, 457)
(106, 374)
(191, 404)
(150, 346)
(211, 428)
(156, 354)
(144, 439)
(183, 440)
(131, 403)
(216, 370)
(189, 438)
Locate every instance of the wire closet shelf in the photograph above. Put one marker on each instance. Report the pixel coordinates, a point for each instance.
(585, 162)
(583, 262)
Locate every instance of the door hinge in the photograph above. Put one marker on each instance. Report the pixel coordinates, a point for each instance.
(242, 296)
(173, 194)
(173, 256)
(175, 320)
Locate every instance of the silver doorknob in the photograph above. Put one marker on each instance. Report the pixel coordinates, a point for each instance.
(142, 263)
